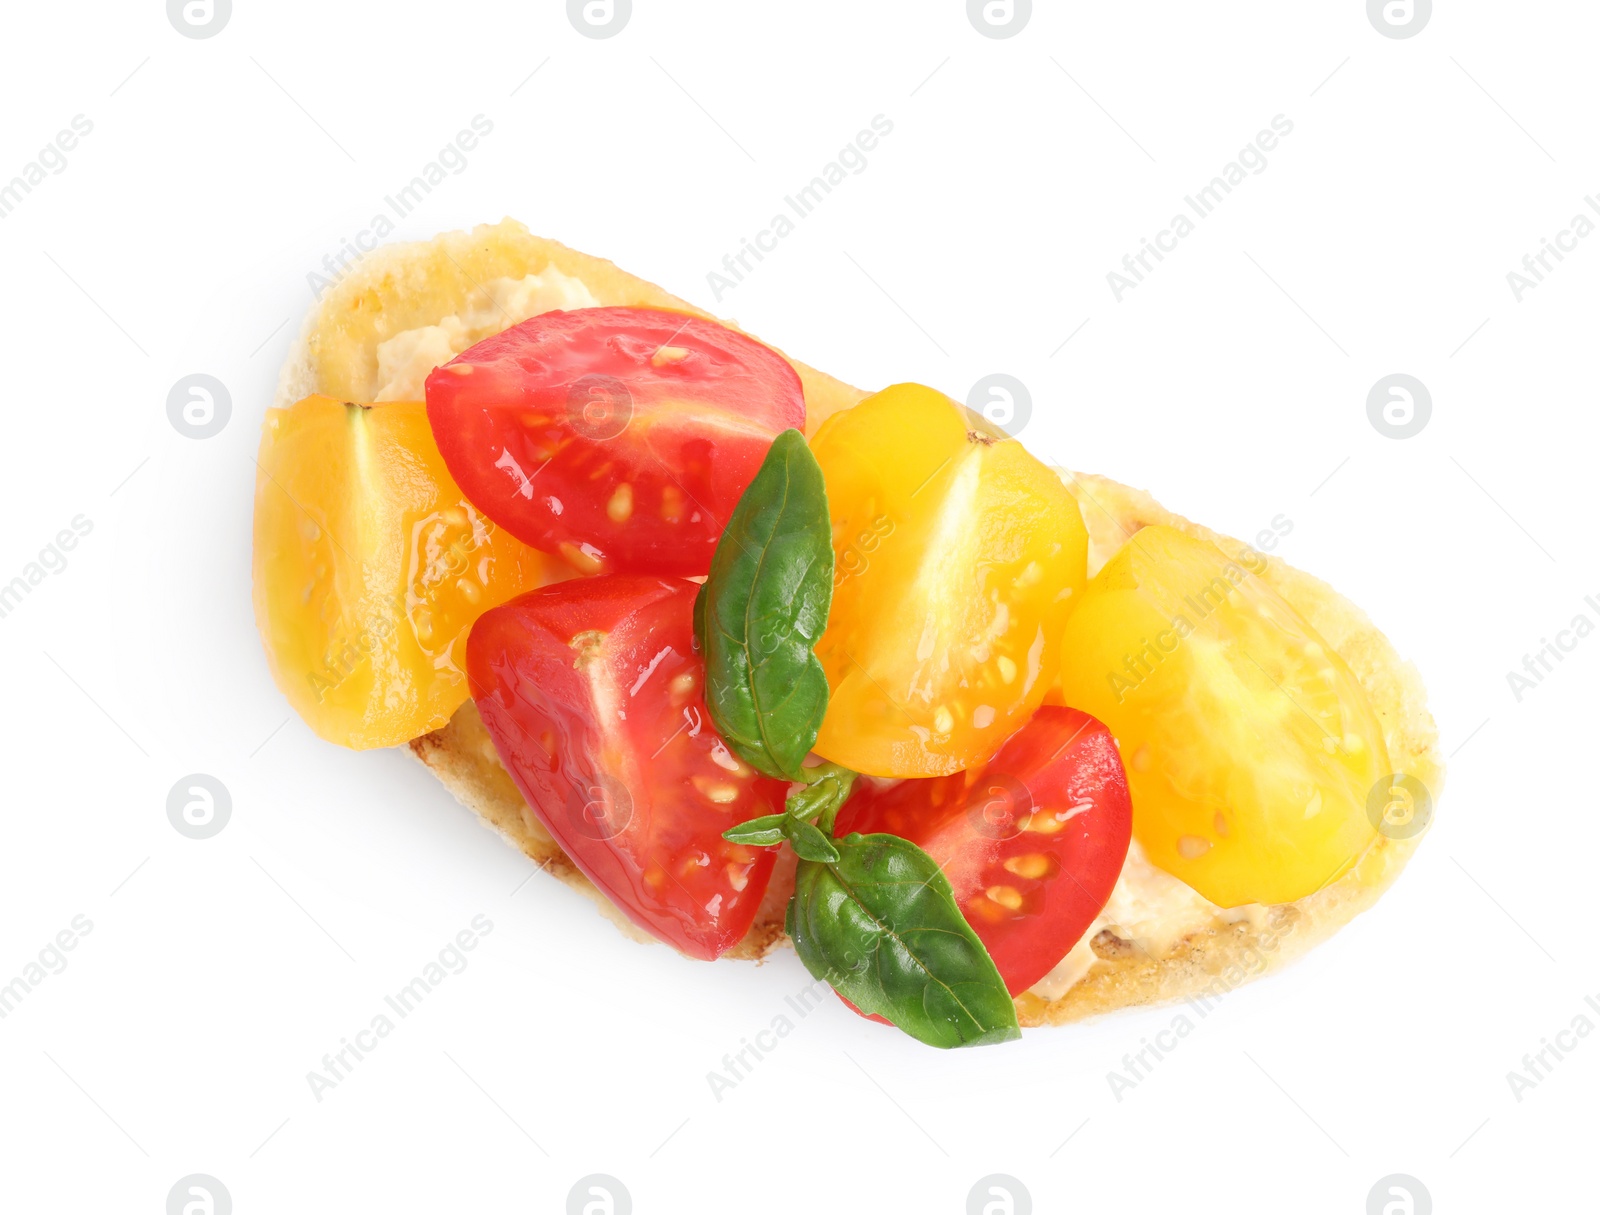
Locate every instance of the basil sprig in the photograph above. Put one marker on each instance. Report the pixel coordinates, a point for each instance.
(871, 914)
(764, 608)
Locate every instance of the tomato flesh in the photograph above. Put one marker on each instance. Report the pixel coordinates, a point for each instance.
(620, 438)
(370, 567)
(1251, 746)
(957, 559)
(594, 697)
(1032, 844)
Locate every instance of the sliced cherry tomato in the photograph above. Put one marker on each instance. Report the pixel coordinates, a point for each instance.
(1032, 843)
(618, 437)
(370, 568)
(957, 560)
(594, 697)
(1252, 744)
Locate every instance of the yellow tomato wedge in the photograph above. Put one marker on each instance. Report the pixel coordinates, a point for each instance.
(1249, 745)
(957, 557)
(370, 566)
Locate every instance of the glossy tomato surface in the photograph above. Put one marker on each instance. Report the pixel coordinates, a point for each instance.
(1032, 843)
(370, 567)
(958, 557)
(594, 698)
(1252, 747)
(620, 438)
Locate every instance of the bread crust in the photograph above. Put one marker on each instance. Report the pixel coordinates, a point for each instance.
(1199, 966)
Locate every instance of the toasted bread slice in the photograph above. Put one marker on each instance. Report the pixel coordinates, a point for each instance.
(1158, 940)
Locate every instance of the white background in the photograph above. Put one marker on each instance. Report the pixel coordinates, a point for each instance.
(1233, 383)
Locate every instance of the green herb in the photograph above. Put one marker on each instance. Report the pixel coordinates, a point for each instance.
(808, 842)
(765, 607)
(758, 832)
(827, 788)
(881, 925)
(795, 824)
(871, 914)
(699, 619)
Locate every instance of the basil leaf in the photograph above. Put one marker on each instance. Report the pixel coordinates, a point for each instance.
(699, 619)
(808, 843)
(766, 605)
(882, 926)
(768, 829)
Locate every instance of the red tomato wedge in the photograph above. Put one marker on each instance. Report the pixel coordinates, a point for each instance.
(594, 698)
(620, 438)
(1032, 843)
